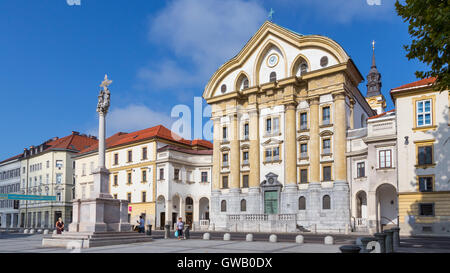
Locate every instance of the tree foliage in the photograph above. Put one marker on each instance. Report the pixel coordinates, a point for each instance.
(429, 26)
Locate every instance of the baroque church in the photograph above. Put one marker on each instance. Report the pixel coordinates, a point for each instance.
(282, 109)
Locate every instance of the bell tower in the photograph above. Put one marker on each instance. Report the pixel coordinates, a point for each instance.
(374, 97)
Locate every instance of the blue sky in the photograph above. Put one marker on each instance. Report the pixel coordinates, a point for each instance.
(53, 56)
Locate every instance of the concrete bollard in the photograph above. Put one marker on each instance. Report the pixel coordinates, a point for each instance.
(350, 249)
(26, 231)
(206, 236)
(389, 241)
(381, 238)
(187, 233)
(273, 238)
(249, 238)
(54, 232)
(299, 239)
(329, 240)
(39, 231)
(32, 231)
(395, 238)
(364, 242)
(46, 232)
(226, 237)
(166, 231)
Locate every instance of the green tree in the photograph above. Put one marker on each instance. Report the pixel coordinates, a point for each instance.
(429, 26)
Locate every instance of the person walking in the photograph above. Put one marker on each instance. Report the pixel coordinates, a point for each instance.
(180, 227)
(59, 226)
(141, 224)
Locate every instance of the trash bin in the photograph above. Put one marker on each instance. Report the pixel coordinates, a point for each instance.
(149, 230)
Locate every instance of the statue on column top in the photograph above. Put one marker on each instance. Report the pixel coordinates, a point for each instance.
(104, 96)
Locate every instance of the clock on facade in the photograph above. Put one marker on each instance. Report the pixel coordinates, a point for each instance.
(272, 60)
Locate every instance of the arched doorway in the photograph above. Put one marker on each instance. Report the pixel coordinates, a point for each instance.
(361, 208)
(160, 212)
(189, 211)
(175, 209)
(386, 205)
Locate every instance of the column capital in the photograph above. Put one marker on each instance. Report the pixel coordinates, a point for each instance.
(314, 100)
(339, 95)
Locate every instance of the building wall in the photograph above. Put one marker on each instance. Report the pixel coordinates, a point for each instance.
(438, 135)
(9, 183)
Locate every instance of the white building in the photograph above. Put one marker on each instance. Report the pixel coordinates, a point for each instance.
(9, 184)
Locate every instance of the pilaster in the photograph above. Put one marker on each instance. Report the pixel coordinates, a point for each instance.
(314, 147)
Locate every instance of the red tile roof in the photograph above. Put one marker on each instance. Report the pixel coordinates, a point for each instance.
(72, 142)
(159, 131)
(382, 114)
(424, 82)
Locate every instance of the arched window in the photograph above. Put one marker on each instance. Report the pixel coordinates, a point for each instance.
(189, 201)
(223, 88)
(273, 76)
(243, 205)
(302, 203)
(326, 202)
(303, 68)
(223, 206)
(245, 83)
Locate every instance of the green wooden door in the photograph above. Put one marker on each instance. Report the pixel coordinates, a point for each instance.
(271, 202)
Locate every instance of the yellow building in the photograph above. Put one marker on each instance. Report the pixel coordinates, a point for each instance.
(423, 139)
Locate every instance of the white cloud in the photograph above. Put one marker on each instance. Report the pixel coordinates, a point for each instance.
(202, 34)
(133, 118)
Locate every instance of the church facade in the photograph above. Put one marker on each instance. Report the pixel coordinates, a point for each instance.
(281, 110)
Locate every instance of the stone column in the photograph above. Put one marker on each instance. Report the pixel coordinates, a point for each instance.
(253, 202)
(340, 129)
(169, 213)
(290, 147)
(216, 154)
(196, 212)
(235, 153)
(182, 208)
(314, 143)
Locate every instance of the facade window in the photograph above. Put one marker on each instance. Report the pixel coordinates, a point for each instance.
(243, 205)
(48, 164)
(426, 209)
(144, 153)
(245, 83)
(223, 206)
(225, 182)
(59, 164)
(304, 176)
(423, 113)
(303, 68)
(246, 131)
(361, 169)
(326, 146)
(204, 177)
(130, 156)
(327, 173)
(129, 178)
(245, 157)
(304, 121)
(116, 178)
(426, 184)
(269, 125)
(223, 88)
(144, 176)
(92, 167)
(161, 174)
(326, 115)
(176, 174)
(302, 203)
(224, 133)
(58, 197)
(385, 158)
(272, 154)
(303, 150)
(116, 159)
(245, 181)
(129, 197)
(115, 196)
(83, 169)
(425, 155)
(225, 159)
(326, 202)
(58, 178)
(273, 76)
(144, 197)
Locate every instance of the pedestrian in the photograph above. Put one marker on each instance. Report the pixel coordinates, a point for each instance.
(180, 227)
(141, 223)
(59, 226)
